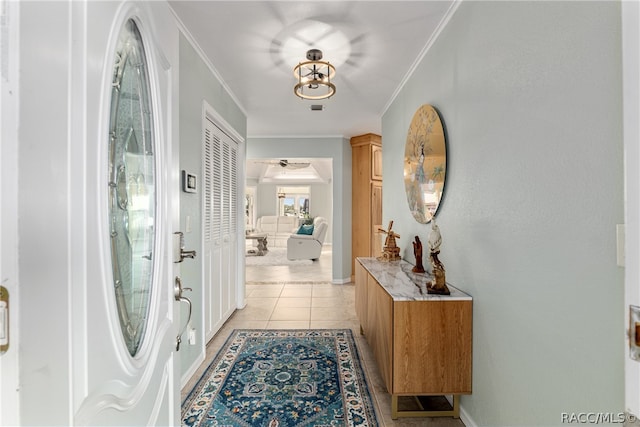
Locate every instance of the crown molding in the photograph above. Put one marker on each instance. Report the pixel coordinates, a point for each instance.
(295, 136)
(185, 31)
(441, 25)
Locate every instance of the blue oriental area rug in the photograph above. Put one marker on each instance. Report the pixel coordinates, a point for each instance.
(282, 378)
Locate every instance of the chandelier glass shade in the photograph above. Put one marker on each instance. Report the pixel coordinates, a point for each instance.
(314, 77)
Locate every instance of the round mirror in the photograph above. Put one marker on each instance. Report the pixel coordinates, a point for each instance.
(425, 163)
(132, 197)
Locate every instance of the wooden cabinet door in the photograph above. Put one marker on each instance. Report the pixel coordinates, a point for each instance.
(375, 246)
(432, 347)
(380, 329)
(361, 295)
(376, 162)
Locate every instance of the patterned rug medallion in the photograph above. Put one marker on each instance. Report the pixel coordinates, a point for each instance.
(282, 378)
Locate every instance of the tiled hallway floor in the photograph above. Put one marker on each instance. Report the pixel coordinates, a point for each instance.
(289, 305)
(318, 272)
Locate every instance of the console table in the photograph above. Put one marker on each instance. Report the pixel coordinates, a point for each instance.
(421, 342)
(262, 242)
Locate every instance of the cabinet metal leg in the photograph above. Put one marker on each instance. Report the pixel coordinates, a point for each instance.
(394, 406)
(453, 412)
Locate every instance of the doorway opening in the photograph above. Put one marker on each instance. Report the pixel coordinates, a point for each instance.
(282, 195)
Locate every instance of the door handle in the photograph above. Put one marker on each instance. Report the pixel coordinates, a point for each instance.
(4, 320)
(177, 291)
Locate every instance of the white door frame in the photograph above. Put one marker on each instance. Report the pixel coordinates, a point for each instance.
(9, 95)
(631, 117)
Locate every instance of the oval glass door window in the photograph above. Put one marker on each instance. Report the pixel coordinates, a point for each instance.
(132, 196)
(425, 163)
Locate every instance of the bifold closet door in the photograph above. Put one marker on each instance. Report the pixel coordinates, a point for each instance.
(220, 226)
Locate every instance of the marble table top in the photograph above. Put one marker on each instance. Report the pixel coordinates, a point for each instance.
(255, 236)
(402, 284)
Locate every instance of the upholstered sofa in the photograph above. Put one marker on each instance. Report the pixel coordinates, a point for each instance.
(308, 246)
(277, 228)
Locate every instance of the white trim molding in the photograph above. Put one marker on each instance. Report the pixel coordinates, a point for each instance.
(206, 60)
(631, 135)
(443, 23)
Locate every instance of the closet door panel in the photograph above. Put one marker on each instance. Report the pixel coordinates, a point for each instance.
(221, 224)
(212, 229)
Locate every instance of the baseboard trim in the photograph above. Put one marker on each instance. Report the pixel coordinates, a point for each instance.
(464, 415)
(341, 281)
(192, 369)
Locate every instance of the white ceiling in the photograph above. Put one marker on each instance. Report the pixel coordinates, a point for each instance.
(254, 45)
(320, 170)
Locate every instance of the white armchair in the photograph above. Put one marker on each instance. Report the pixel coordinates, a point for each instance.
(308, 246)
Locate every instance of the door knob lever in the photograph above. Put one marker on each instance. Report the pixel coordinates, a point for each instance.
(187, 254)
(177, 292)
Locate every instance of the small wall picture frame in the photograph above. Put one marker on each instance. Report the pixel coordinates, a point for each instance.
(189, 182)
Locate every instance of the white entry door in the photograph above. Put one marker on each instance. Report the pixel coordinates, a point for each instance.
(124, 314)
(89, 207)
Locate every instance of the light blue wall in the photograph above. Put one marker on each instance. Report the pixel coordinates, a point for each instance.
(266, 200)
(339, 150)
(322, 205)
(197, 84)
(530, 94)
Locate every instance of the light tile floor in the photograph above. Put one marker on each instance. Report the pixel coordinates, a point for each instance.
(304, 305)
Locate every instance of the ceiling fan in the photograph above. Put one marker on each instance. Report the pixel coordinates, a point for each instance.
(286, 164)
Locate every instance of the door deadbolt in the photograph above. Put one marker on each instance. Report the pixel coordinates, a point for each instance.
(179, 253)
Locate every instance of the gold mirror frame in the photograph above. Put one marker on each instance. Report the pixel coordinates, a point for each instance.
(425, 163)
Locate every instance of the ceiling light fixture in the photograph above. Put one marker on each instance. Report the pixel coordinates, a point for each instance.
(314, 77)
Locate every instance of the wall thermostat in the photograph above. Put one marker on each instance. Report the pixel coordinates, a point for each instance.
(189, 182)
